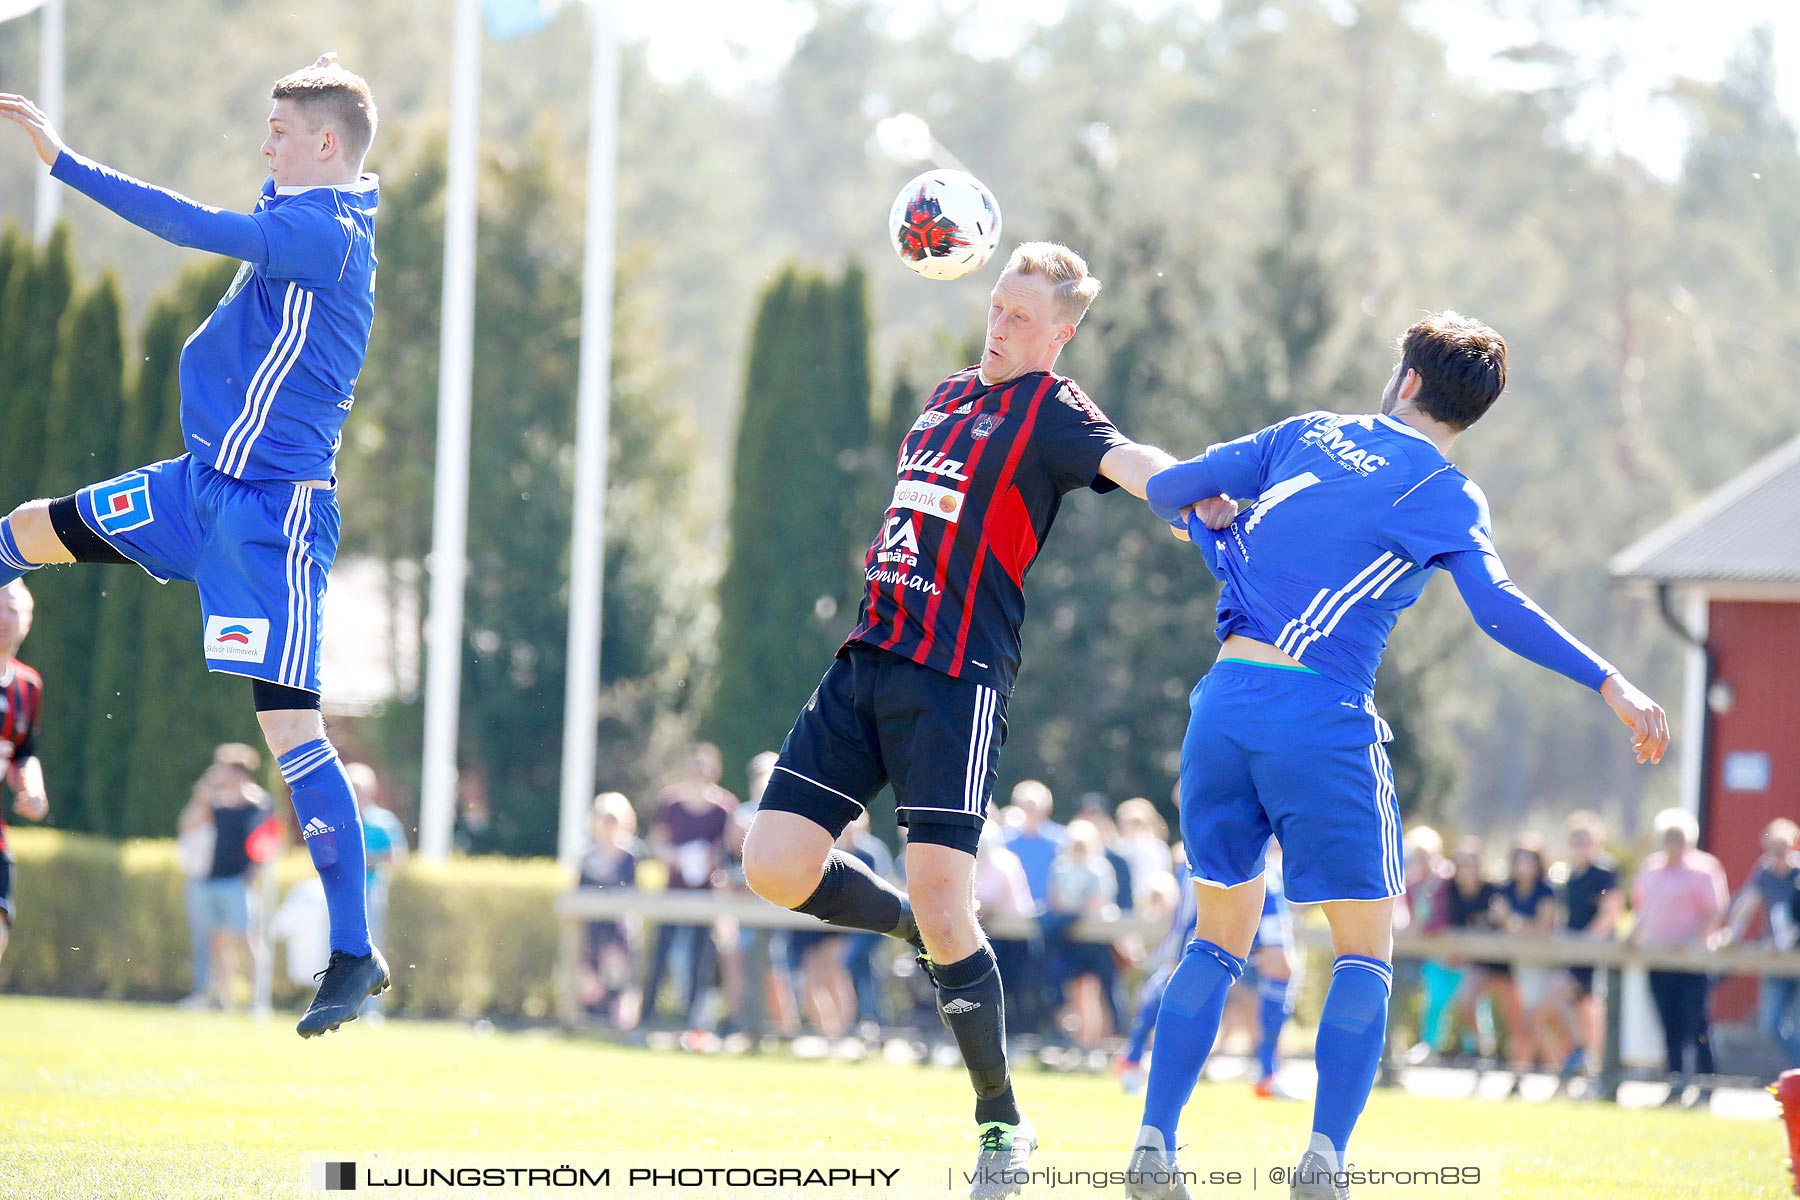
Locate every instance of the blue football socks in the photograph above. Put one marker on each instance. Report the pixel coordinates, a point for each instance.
(1272, 1011)
(1186, 1028)
(1352, 1032)
(1149, 1005)
(331, 824)
(13, 564)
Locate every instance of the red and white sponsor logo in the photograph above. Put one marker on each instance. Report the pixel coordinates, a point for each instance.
(946, 504)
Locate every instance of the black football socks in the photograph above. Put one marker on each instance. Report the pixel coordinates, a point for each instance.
(851, 896)
(970, 1000)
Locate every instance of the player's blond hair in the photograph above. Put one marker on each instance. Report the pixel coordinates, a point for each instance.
(1067, 272)
(336, 97)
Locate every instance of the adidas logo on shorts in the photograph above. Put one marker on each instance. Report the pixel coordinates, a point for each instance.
(314, 828)
(957, 1007)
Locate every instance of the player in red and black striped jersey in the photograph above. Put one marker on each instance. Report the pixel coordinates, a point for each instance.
(917, 695)
(21, 704)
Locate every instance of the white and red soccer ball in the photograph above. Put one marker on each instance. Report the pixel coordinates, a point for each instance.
(944, 224)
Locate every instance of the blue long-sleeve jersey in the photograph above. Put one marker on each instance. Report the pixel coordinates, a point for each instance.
(269, 379)
(1349, 517)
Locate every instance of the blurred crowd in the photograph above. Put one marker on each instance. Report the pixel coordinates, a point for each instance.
(1073, 998)
(1552, 1018)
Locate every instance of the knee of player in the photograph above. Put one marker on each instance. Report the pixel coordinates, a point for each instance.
(777, 877)
(941, 912)
(34, 533)
(290, 728)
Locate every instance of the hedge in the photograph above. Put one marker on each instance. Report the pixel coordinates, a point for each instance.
(474, 937)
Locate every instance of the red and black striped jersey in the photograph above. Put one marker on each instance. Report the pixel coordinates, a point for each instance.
(21, 703)
(981, 475)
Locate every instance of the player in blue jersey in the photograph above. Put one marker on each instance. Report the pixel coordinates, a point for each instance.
(1344, 519)
(250, 512)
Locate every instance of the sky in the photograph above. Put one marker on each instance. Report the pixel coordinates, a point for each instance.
(749, 40)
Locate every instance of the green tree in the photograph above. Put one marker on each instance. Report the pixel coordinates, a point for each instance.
(81, 445)
(38, 289)
(790, 583)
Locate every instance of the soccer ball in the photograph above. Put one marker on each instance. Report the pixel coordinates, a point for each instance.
(944, 224)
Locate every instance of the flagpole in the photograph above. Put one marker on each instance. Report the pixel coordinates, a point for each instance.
(593, 404)
(50, 98)
(450, 508)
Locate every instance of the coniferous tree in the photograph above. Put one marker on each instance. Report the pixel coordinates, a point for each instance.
(81, 445)
(789, 588)
(38, 289)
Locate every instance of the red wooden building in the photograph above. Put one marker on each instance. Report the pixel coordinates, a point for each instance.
(1726, 574)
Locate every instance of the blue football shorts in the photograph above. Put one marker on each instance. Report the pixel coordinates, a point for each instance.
(259, 553)
(1287, 753)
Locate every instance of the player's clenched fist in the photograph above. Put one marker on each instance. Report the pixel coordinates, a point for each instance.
(31, 118)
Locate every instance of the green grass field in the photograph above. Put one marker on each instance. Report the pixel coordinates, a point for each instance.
(105, 1100)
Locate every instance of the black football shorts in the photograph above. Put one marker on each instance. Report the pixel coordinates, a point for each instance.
(877, 718)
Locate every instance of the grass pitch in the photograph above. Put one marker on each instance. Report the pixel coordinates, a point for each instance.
(108, 1100)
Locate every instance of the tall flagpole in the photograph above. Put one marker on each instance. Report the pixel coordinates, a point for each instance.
(593, 403)
(450, 508)
(50, 99)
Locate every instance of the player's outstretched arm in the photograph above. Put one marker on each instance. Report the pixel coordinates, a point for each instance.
(169, 215)
(1508, 615)
(1131, 465)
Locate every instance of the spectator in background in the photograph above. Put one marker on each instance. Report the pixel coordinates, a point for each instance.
(1037, 840)
(1095, 809)
(1525, 907)
(861, 948)
(755, 951)
(1472, 904)
(1144, 842)
(610, 861)
(688, 836)
(1001, 893)
(229, 799)
(1082, 884)
(1680, 899)
(1774, 887)
(1591, 903)
(1424, 908)
(194, 852)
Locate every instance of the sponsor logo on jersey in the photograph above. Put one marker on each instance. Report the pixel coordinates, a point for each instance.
(968, 406)
(944, 503)
(985, 427)
(123, 504)
(241, 639)
(917, 583)
(930, 420)
(899, 542)
(1329, 437)
(936, 463)
(237, 285)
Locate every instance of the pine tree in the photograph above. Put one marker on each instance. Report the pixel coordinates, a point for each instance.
(790, 582)
(38, 289)
(80, 446)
